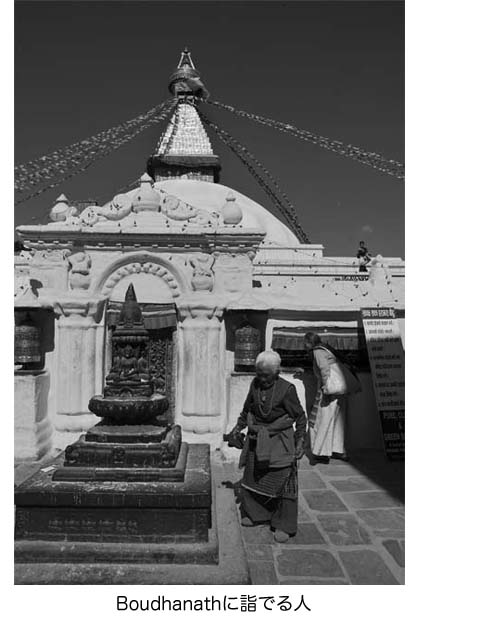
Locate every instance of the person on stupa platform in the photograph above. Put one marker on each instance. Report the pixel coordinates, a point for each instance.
(270, 450)
(363, 256)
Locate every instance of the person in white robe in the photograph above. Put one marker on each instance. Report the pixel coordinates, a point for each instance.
(328, 417)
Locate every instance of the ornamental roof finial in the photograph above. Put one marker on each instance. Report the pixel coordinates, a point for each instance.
(186, 59)
(185, 81)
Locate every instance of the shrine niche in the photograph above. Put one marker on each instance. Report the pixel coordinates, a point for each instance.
(160, 349)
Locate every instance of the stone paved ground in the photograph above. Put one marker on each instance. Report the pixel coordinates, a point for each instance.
(351, 526)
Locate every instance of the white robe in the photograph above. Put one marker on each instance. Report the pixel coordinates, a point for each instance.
(327, 420)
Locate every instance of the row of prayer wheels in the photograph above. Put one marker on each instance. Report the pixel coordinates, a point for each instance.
(28, 345)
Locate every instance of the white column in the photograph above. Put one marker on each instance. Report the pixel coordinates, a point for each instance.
(201, 381)
(78, 364)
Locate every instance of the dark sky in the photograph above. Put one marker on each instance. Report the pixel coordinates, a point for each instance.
(333, 68)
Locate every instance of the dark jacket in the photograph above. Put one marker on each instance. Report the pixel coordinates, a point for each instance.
(277, 427)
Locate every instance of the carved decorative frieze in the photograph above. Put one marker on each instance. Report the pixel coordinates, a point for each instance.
(142, 267)
(42, 256)
(200, 311)
(91, 307)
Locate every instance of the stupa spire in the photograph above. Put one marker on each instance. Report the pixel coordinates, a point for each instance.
(185, 82)
(185, 150)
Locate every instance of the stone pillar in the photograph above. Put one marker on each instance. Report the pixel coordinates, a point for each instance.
(201, 380)
(78, 365)
(33, 430)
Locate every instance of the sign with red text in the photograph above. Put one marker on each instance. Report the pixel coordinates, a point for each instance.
(387, 364)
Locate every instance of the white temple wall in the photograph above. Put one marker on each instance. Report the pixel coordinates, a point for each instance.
(209, 395)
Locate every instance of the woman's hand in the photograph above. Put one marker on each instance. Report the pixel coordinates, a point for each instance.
(235, 438)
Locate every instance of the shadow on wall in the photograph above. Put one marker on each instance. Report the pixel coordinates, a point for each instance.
(364, 440)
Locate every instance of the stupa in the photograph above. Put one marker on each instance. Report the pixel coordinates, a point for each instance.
(131, 442)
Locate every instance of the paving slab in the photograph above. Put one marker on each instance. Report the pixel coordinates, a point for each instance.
(365, 566)
(304, 464)
(388, 523)
(396, 548)
(324, 501)
(370, 499)
(329, 581)
(344, 530)
(260, 534)
(307, 534)
(354, 484)
(303, 514)
(262, 572)
(343, 470)
(306, 562)
(259, 552)
(310, 480)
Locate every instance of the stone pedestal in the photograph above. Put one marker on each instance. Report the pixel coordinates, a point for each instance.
(106, 512)
(33, 431)
(129, 453)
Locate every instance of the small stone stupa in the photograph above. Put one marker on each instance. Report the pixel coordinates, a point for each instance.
(131, 442)
(129, 479)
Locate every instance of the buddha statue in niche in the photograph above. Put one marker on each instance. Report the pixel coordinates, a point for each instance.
(129, 365)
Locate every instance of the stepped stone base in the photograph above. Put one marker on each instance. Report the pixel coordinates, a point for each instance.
(133, 473)
(220, 560)
(125, 454)
(118, 511)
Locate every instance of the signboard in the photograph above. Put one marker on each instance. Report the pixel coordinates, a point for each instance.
(387, 363)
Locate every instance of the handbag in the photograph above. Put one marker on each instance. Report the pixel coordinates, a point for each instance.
(341, 380)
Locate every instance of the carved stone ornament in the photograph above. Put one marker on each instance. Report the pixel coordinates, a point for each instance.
(180, 211)
(80, 264)
(175, 209)
(202, 279)
(142, 267)
(50, 255)
(146, 198)
(62, 210)
(231, 211)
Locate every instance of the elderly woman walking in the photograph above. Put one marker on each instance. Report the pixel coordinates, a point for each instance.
(270, 449)
(327, 419)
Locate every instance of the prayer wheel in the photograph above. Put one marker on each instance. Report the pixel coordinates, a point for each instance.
(28, 351)
(247, 347)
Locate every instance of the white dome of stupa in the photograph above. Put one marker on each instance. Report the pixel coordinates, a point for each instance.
(210, 196)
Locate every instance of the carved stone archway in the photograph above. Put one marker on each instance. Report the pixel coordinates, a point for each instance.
(164, 266)
(141, 267)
